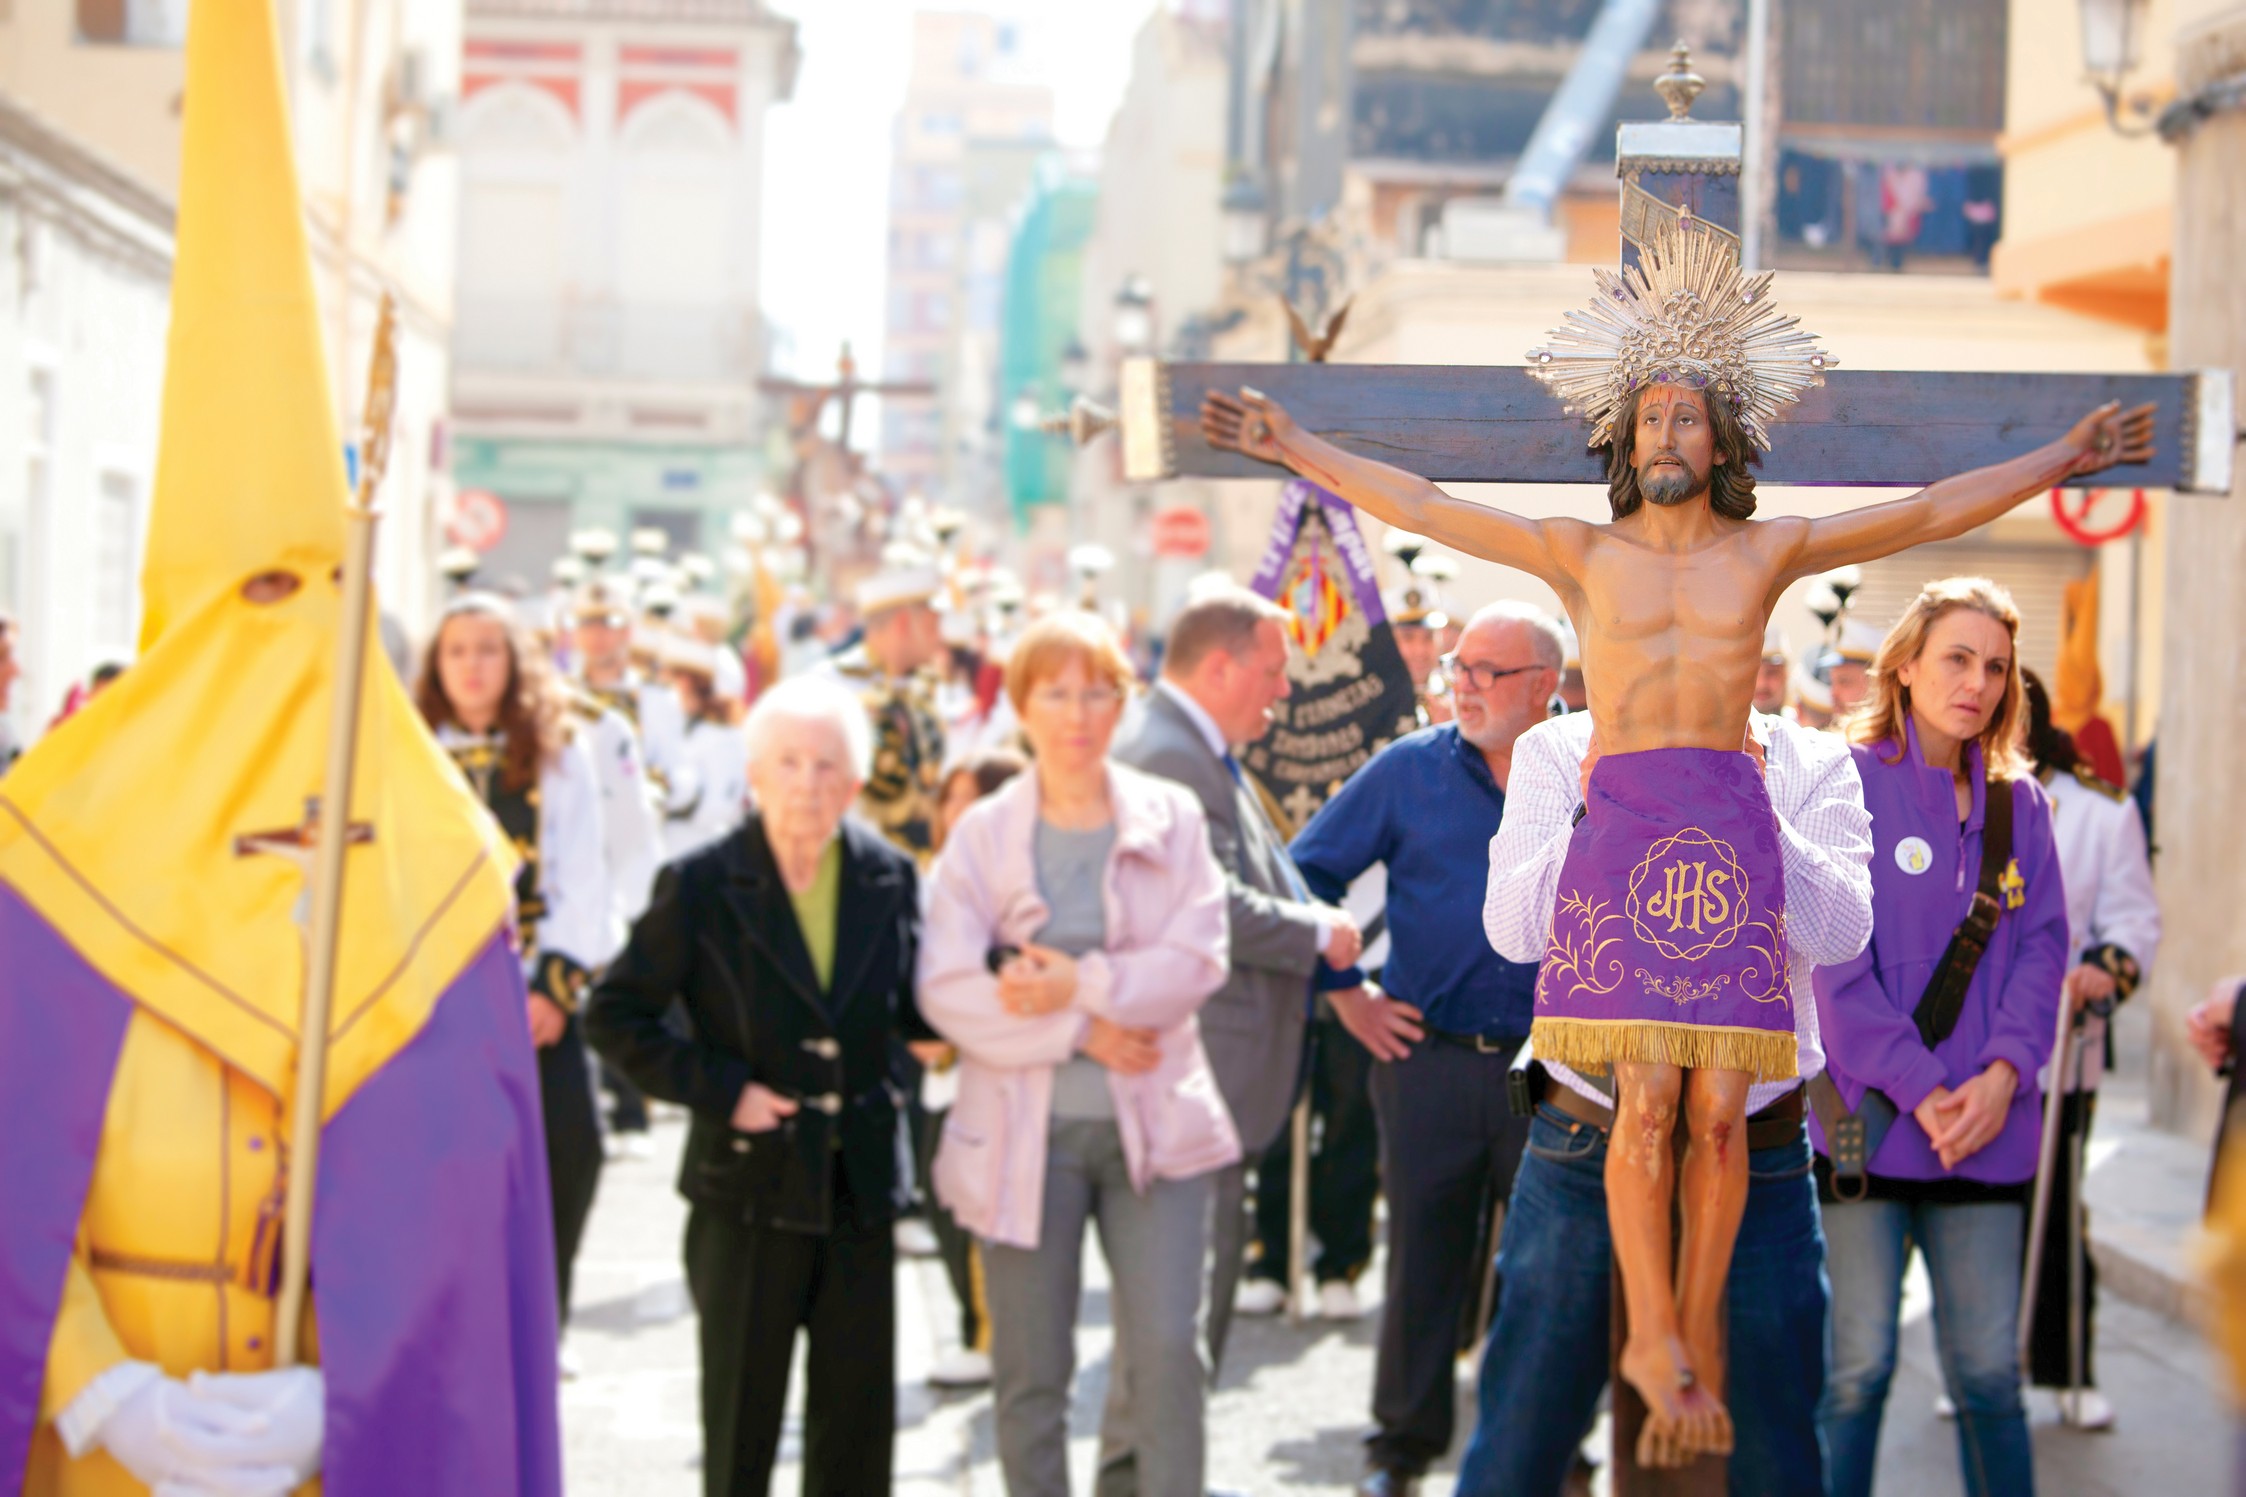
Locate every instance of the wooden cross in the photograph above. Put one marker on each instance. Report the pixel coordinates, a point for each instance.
(1499, 425)
(809, 402)
(1479, 424)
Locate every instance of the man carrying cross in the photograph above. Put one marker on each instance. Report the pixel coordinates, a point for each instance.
(1667, 962)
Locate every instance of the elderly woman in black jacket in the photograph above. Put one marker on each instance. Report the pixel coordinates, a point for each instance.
(791, 944)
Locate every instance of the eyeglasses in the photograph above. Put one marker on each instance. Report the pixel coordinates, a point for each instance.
(1092, 698)
(1481, 677)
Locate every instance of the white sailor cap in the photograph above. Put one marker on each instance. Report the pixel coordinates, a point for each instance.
(897, 586)
(1813, 693)
(1775, 650)
(1859, 640)
(601, 600)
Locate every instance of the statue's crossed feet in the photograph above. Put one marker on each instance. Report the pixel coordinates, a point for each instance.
(1684, 1416)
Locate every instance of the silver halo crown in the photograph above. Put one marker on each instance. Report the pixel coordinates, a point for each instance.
(1684, 314)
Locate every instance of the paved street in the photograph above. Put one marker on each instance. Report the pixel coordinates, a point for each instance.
(1292, 1405)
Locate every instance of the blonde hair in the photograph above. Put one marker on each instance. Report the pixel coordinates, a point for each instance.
(1887, 706)
(1058, 640)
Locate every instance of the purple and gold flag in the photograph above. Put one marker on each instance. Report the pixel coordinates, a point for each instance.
(1352, 694)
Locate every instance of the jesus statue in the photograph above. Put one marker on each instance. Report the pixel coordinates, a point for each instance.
(1666, 963)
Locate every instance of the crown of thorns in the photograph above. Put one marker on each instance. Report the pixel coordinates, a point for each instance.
(1684, 314)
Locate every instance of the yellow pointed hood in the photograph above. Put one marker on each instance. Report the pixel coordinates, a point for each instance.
(234, 497)
(119, 828)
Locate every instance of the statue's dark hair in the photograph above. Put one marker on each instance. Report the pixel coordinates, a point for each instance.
(1731, 488)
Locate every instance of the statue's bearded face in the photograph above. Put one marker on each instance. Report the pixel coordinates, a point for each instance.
(1674, 444)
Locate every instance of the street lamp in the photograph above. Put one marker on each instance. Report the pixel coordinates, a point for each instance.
(1076, 365)
(1133, 326)
(2112, 37)
(1245, 227)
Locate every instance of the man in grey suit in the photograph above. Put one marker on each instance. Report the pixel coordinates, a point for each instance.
(1225, 669)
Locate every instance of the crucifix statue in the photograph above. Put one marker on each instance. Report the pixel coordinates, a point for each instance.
(807, 403)
(1667, 960)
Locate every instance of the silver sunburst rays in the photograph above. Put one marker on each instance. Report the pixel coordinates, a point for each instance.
(1684, 314)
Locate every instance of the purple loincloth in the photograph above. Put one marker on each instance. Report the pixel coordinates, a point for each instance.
(1668, 939)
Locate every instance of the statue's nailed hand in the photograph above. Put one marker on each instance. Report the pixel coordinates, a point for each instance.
(1250, 422)
(2110, 436)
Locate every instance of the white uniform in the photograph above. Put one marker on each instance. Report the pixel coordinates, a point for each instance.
(662, 734)
(719, 758)
(572, 878)
(631, 835)
(969, 729)
(2110, 901)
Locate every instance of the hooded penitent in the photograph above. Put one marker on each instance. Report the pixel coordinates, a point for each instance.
(153, 974)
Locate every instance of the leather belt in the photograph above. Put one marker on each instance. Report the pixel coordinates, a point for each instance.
(1480, 1044)
(1774, 1127)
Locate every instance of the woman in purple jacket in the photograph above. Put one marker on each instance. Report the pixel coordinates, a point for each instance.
(1939, 735)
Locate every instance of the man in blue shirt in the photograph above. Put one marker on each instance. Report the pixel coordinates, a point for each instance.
(1451, 1018)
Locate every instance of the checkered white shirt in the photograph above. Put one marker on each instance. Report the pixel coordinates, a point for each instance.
(1826, 837)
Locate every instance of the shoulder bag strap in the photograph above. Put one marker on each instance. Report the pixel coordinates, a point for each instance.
(1944, 999)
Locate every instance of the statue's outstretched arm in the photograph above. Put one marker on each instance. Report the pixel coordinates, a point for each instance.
(1258, 426)
(2102, 439)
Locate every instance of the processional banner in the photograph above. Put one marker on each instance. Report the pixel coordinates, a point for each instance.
(1352, 694)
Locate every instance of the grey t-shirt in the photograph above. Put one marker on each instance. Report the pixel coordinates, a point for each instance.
(1071, 878)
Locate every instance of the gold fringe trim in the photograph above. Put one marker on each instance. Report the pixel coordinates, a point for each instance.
(1592, 1046)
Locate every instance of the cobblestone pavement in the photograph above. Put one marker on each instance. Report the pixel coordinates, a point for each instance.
(1291, 1407)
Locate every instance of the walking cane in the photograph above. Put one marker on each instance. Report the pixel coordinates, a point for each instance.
(2047, 1154)
(333, 837)
(2078, 1330)
(1298, 1210)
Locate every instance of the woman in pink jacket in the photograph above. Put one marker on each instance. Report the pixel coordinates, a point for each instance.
(1076, 924)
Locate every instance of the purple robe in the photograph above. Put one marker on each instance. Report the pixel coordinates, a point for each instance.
(432, 1242)
(1668, 942)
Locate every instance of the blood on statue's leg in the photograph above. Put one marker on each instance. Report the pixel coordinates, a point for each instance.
(1641, 1190)
(1711, 1196)
(1666, 965)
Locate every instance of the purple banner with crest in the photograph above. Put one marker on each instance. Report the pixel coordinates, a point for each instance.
(1352, 695)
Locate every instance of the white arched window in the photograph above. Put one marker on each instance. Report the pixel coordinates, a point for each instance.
(516, 146)
(678, 239)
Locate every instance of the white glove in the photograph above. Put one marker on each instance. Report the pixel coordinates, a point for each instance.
(174, 1442)
(266, 1430)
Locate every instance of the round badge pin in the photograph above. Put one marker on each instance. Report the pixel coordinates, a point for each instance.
(1912, 855)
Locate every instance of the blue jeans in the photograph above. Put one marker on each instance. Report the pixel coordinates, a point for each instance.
(1546, 1357)
(1973, 1256)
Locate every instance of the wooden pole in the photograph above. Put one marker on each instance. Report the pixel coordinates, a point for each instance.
(333, 834)
(1298, 1209)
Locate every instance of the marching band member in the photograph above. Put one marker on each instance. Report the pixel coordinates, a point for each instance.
(889, 670)
(1416, 623)
(710, 681)
(2113, 921)
(1773, 675)
(506, 723)
(602, 635)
